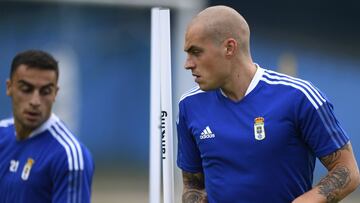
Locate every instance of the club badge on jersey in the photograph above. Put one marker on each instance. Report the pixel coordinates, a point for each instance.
(27, 168)
(259, 129)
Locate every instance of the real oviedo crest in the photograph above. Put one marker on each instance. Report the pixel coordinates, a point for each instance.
(27, 168)
(259, 129)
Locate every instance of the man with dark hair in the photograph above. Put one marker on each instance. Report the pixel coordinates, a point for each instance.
(36, 59)
(251, 135)
(40, 159)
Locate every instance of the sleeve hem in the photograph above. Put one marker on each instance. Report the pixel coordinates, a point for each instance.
(329, 150)
(189, 168)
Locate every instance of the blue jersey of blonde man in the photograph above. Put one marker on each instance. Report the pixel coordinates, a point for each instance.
(251, 135)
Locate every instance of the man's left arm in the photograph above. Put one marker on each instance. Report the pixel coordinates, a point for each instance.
(72, 185)
(342, 178)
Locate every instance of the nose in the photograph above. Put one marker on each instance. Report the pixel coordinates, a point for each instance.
(189, 64)
(35, 99)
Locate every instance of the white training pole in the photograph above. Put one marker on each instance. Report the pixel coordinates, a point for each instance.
(155, 136)
(166, 107)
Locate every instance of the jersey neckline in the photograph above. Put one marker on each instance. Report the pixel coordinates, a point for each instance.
(46, 125)
(253, 84)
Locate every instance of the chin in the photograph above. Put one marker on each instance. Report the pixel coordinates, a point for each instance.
(202, 88)
(206, 88)
(32, 125)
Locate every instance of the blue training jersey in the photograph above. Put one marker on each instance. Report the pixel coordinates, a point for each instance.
(262, 148)
(49, 166)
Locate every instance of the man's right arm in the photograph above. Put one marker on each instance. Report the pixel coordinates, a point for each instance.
(194, 188)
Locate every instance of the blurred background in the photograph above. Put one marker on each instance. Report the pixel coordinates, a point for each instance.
(103, 48)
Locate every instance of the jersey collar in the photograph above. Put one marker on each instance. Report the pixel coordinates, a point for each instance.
(46, 125)
(255, 80)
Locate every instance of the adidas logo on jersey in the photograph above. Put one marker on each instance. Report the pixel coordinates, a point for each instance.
(206, 133)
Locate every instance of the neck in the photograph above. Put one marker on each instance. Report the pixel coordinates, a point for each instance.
(235, 88)
(22, 133)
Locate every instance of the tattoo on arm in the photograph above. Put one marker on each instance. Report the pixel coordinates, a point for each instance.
(331, 159)
(194, 188)
(333, 183)
(194, 196)
(338, 178)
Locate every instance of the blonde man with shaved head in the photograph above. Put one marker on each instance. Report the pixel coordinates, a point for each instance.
(248, 134)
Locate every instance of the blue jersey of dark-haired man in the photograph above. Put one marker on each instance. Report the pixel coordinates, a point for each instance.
(40, 159)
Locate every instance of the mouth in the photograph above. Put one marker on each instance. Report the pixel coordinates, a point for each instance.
(32, 115)
(196, 77)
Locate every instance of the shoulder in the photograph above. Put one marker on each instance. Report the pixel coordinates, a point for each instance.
(194, 92)
(69, 148)
(6, 130)
(6, 126)
(6, 122)
(293, 85)
(279, 79)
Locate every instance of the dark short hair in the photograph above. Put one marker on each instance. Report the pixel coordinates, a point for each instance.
(35, 59)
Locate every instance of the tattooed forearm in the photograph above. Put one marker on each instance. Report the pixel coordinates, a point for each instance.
(194, 188)
(193, 180)
(343, 176)
(332, 185)
(332, 159)
(194, 196)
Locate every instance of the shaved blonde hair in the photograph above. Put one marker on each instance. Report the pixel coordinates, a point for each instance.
(221, 22)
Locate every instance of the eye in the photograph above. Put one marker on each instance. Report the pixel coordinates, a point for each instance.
(196, 52)
(46, 91)
(25, 88)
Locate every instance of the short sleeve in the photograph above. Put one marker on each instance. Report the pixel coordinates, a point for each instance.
(72, 185)
(188, 157)
(318, 125)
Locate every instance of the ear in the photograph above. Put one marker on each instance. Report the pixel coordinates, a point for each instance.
(8, 87)
(56, 92)
(230, 47)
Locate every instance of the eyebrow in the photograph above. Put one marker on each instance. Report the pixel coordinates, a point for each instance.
(191, 48)
(29, 84)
